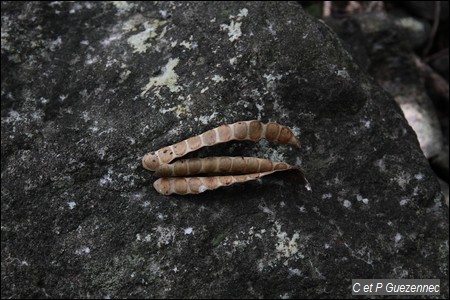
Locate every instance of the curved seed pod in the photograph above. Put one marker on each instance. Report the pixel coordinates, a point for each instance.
(220, 165)
(253, 130)
(196, 185)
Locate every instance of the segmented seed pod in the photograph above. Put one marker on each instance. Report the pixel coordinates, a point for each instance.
(219, 165)
(197, 185)
(253, 130)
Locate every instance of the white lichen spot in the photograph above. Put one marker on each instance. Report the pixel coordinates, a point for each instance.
(90, 60)
(71, 204)
(294, 272)
(367, 123)
(161, 216)
(163, 13)
(145, 204)
(398, 237)
(83, 250)
(234, 30)
(242, 13)
(166, 236)
(110, 39)
(260, 108)
(402, 179)
(266, 210)
(343, 73)
(285, 296)
(360, 198)
(206, 119)
(187, 45)
(296, 131)
(271, 29)
(13, 117)
(233, 61)
(217, 78)
(131, 140)
(271, 80)
(24, 263)
(347, 204)
(124, 75)
(61, 98)
(403, 202)
(55, 44)
(188, 230)
(275, 155)
(285, 246)
(326, 196)
(44, 100)
(167, 78)
(139, 41)
(137, 196)
(123, 6)
(106, 179)
(416, 191)
(166, 110)
(85, 116)
(204, 90)
(308, 186)
(380, 163)
(419, 176)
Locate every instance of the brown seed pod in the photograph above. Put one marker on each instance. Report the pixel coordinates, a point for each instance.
(197, 185)
(253, 130)
(220, 165)
(232, 169)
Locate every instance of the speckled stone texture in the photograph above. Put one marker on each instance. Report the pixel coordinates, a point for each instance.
(88, 88)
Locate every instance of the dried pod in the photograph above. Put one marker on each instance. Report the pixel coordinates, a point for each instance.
(253, 130)
(196, 185)
(220, 165)
(232, 169)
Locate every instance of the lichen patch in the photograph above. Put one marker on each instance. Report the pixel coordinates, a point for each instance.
(140, 41)
(167, 78)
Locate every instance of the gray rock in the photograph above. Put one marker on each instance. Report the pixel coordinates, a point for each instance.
(426, 9)
(440, 64)
(88, 88)
(444, 189)
(440, 164)
(392, 62)
(416, 31)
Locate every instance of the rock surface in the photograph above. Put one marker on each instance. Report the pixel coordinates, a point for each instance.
(390, 59)
(88, 88)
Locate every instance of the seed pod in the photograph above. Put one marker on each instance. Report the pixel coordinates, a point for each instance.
(196, 185)
(220, 165)
(253, 130)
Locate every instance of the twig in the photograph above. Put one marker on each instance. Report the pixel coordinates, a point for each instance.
(436, 81)
(437, 13)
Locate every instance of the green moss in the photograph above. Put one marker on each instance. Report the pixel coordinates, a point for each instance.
(314, 9)
(218, 239)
